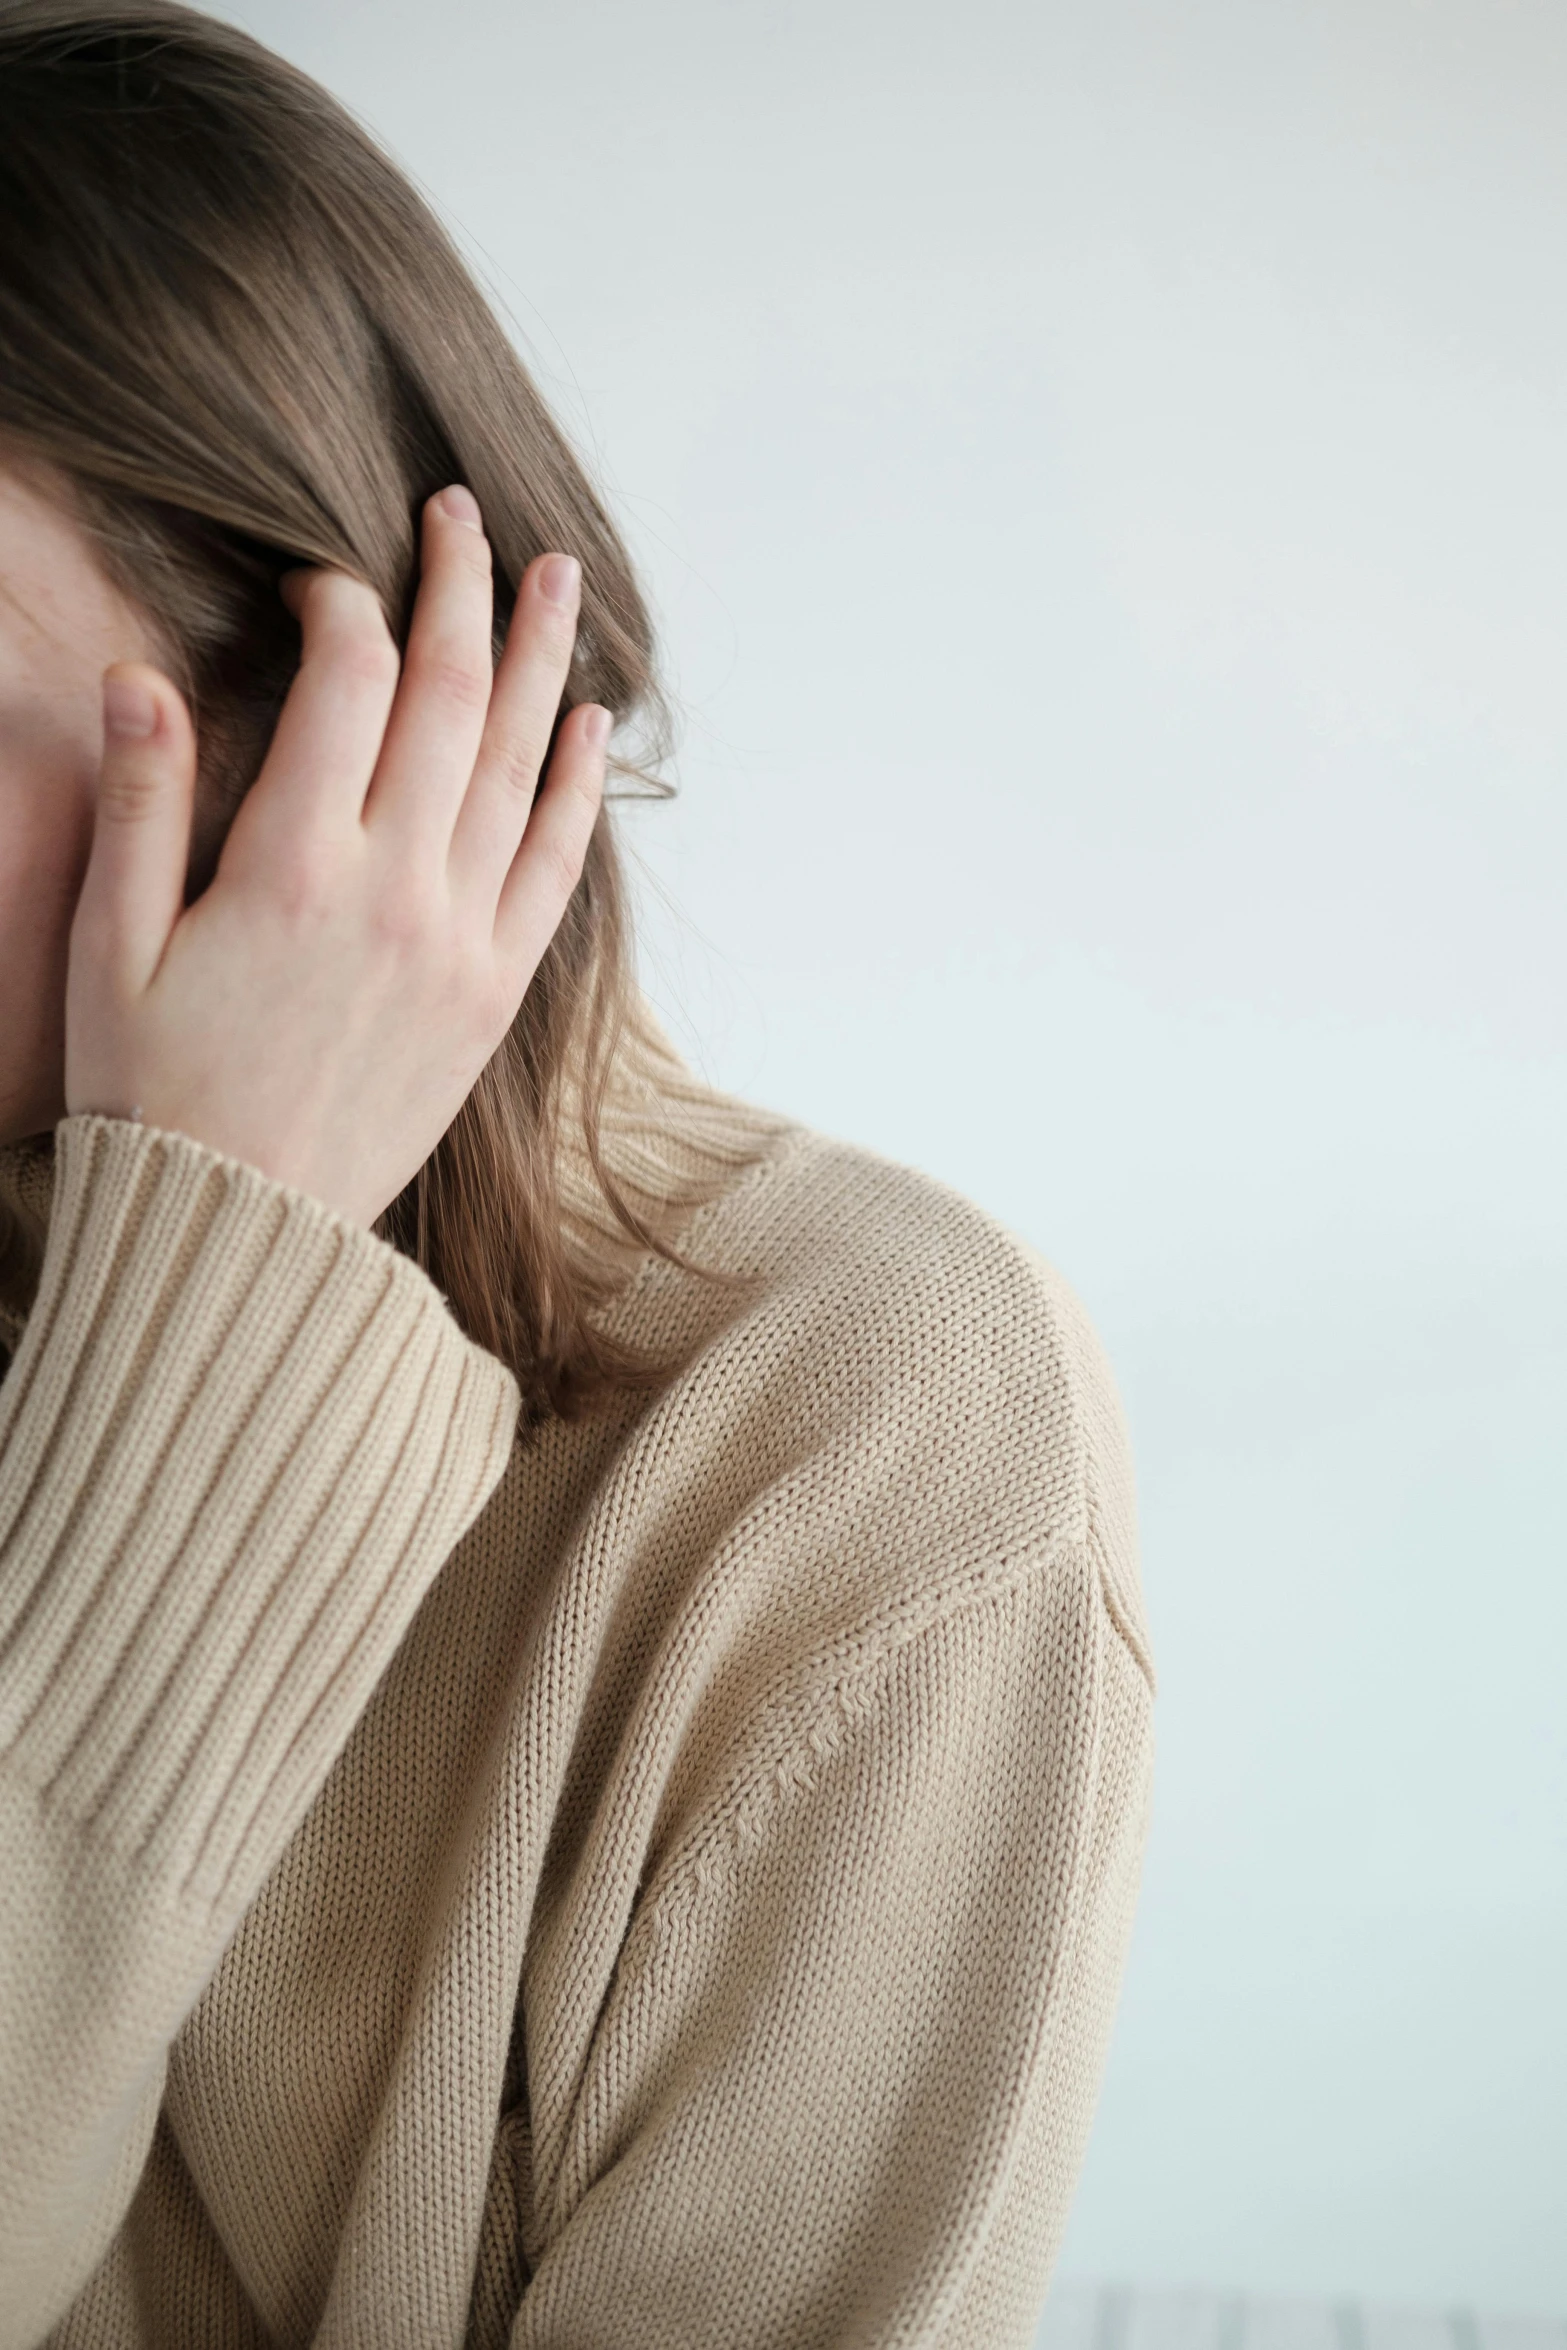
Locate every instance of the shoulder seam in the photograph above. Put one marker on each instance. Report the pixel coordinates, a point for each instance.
(806, 1725)
(1121, 1623)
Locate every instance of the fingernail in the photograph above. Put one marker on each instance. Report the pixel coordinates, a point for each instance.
(596, 727)
(128, 709)
(558, 579)
(461, 504)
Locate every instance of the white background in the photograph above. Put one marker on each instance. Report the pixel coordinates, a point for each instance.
(1101, 472)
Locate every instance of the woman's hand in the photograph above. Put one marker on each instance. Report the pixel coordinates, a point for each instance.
(384, 895)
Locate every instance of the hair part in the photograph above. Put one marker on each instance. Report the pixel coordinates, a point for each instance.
(237, 339)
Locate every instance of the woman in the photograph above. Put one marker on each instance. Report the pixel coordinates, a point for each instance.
(574, 1707)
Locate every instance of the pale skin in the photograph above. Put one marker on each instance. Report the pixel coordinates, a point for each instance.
(383, 896)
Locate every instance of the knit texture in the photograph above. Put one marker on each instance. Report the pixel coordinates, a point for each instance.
(655, 1882)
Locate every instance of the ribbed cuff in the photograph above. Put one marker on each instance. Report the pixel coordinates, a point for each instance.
(239, 1438)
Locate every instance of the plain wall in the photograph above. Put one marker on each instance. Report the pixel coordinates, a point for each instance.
(1101, 472)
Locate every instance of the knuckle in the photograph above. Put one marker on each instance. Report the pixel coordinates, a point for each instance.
(128, 793)
(588, 791)
(352, 633)
(367, 656)
(400, 914)
(582, 801)
(469, 550)
(554, 620)
(558, 634)
(459, 679)
(353, 594)
(331, 592)
(563, 865)
(298, 885)
(518, 757)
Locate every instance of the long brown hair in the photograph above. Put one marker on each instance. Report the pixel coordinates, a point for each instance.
(236, 338)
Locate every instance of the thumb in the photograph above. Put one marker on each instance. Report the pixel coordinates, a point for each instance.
(133, 891)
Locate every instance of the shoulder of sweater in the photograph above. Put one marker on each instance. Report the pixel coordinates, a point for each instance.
(910, 1368)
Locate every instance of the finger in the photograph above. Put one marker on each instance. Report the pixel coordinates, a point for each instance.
(329, 731)
(437, 722)
(548, 865)
(133, 891)
(524, 706)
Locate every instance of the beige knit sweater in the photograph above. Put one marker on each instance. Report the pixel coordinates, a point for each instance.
(659, 1885)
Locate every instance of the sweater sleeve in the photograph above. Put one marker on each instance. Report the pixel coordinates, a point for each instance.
(843, 2085)
(238, 1439)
